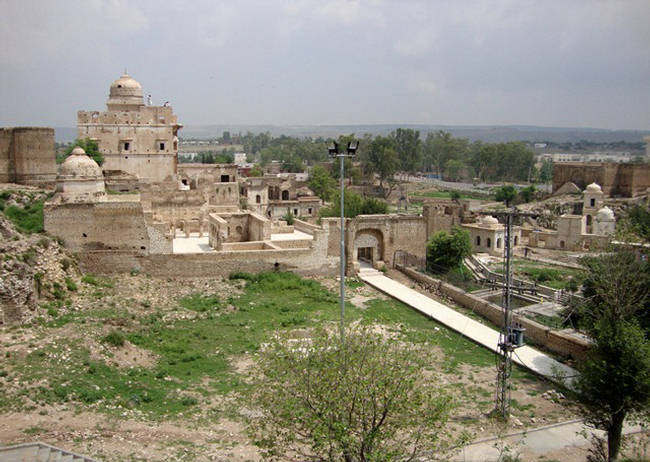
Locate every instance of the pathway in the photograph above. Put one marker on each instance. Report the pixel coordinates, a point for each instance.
(525, 356)
(535, 442)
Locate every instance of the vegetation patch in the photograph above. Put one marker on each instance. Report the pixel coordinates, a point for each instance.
(28, 219)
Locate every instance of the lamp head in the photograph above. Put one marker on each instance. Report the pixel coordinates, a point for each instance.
(333, 149)
(352, 147)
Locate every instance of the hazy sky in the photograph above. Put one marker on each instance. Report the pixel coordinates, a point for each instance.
(556, 63)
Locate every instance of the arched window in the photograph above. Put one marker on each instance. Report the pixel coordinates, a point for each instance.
(489, 242)
(562, 244)
(589, 220)
(258, 199)
(498, 243)
(592, 203)
(285, 195)
(478, 240)
(516, 240)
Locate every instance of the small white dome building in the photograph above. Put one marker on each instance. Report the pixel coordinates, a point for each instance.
(80, 179)
(605, 222)
(593, 201)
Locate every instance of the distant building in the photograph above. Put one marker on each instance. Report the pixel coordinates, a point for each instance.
(133, 138)
(615, 179)
(240, 158)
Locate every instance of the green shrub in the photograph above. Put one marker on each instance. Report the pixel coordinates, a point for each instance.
(70, 284)
(288, 217)
(89, 279)
(115, 338)
(241, 275)
(29, 219)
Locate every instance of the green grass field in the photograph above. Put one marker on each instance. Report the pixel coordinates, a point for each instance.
(194, 345)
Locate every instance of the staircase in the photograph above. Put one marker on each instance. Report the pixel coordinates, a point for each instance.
(39, 452)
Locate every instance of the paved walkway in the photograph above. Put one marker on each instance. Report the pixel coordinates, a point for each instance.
(525, 356)
(534, 442)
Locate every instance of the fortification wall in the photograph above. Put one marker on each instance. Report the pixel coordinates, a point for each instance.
(100, 226)
(615, 179)
(27, 155)
(7, 169)
(554, 341)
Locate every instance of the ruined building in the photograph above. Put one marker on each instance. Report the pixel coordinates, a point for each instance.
(27, 156)
(134, 138)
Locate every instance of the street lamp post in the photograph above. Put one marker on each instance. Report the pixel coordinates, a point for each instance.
(349, 152)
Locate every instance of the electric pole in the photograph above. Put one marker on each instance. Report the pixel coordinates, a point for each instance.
(510, 337)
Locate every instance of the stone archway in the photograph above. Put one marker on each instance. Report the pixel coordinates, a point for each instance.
(368, 246)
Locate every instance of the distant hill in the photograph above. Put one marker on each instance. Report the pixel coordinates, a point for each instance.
(487, 133)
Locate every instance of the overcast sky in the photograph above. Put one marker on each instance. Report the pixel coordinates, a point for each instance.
(569, 63)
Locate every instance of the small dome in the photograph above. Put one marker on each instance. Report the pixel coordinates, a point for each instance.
(125, 94)
(489, 220)
(593, 188)
(605, 214)
(78, 164)
(126, 82)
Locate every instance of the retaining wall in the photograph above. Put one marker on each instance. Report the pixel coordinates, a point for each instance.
(554, 341)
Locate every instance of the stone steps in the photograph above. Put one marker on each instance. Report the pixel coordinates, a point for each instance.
(39, 452)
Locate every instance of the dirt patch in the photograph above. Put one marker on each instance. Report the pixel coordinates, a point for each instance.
(127, 355)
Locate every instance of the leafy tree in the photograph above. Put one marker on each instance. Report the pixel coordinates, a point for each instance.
(454, 195)
(528, 193)
(256, 171)
(447, 250)
(454, 169)
(293, 165)
(365, 400)
(408, 147)
(321, 183)
(637, 222)
(354, 205)
(505, 194)
(614, 380)
(90, 146)
(440, 148)
(381, 159)
(546, 171)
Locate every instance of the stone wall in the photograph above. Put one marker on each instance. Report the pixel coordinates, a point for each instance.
(554, 341)
(27, 156)
(308, 261)
(100, 226)
(615, 179)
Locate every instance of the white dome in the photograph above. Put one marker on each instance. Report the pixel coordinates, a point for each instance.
(78, 165)
(593, 188)
(489, 220)
(605, 214)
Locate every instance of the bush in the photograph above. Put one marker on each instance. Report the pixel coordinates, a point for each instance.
(70, 284)
(354, 204)
(445, 250)
(89, 279)
(326, 396)
(114, 338)
(288, 217)
(29, 219)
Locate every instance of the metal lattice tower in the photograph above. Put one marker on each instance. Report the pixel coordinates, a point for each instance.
(504, 365)
(508, 342)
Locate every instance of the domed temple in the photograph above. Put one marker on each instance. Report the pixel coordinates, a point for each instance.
(135, 139)
(80, 179)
